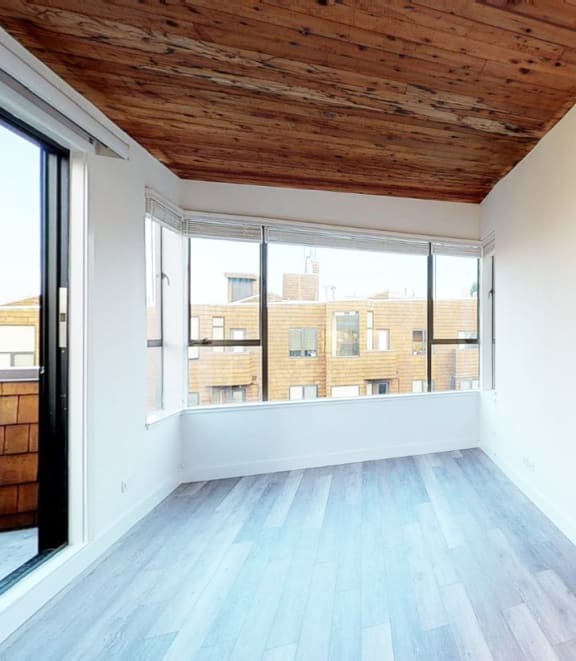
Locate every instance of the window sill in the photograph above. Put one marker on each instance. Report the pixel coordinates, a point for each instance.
(327, 401)
(158, 416)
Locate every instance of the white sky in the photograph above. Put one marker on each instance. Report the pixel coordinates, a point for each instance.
(354, 273)
(19, 217)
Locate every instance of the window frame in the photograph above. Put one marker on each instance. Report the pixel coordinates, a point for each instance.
(158, 342)
(301, 330)
(429, 341)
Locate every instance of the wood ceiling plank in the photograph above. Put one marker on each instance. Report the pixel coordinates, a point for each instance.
(505, 20)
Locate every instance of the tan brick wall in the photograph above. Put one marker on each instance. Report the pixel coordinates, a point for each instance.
(18, 455)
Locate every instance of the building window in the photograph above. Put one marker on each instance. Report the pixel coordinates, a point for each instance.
(154, 314)
(469, 384)
(237, 335)
(384, 340)
(378, 387)
(303, 392)
(218, 332)
(345, 391)
(419, 385)
(303, 342)
(228, 394)
(346, 334)
(370, 331)
(17, 345)
(419, 342)
(240, 287)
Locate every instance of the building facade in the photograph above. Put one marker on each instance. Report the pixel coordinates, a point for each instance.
(332, 348)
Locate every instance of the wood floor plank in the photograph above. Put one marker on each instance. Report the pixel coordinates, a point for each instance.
(465, 626)
(314, 640)
(452, 534)
(377, 643)
(284, 653)
(277, 515)
(428, 600)
(532, 641)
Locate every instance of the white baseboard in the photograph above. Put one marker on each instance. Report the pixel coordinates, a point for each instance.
(20, 602)
(565, 523)
(258, 467)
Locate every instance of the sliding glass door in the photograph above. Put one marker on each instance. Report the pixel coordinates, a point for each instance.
(33, 348)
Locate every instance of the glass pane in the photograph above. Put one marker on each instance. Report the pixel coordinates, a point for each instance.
(455, 367)
(153, 280)
(229, 377)
(455, 297)
(19, 251)
(20, 260)
(342, 321)
(154, 366)
(224, 290)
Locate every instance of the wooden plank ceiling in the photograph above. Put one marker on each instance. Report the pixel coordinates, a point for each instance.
(435, 99)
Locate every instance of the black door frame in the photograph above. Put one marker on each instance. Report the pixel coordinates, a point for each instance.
(53, 506)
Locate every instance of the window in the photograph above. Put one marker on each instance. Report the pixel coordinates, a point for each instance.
(193, 399)
(303, 343)
(218, 331)
(370, 331)
(224, 354)
(455, 351)
(303, 392)
(228, 395)
(384, 340)
(345, 391)
(419, 342)
(240, 287)
(378, 387)
(469, 384)
(346, 334)
(17, 343)
(154, 351)
(419, 385)
(237, 334)
(259, 309)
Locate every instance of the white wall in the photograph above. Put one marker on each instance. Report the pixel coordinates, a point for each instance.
(395, 214)
(528, 424)
(120, 447)
(109, 440)
(248, 439)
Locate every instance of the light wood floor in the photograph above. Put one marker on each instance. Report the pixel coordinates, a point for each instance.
(16, 548)
(436, 557)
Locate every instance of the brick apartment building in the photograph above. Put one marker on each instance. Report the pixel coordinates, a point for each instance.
(330, 348)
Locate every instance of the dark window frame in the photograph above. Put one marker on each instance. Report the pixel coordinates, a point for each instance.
(429, 340)
(53, 474)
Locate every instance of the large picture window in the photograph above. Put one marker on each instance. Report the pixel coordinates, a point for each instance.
(362, 317)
